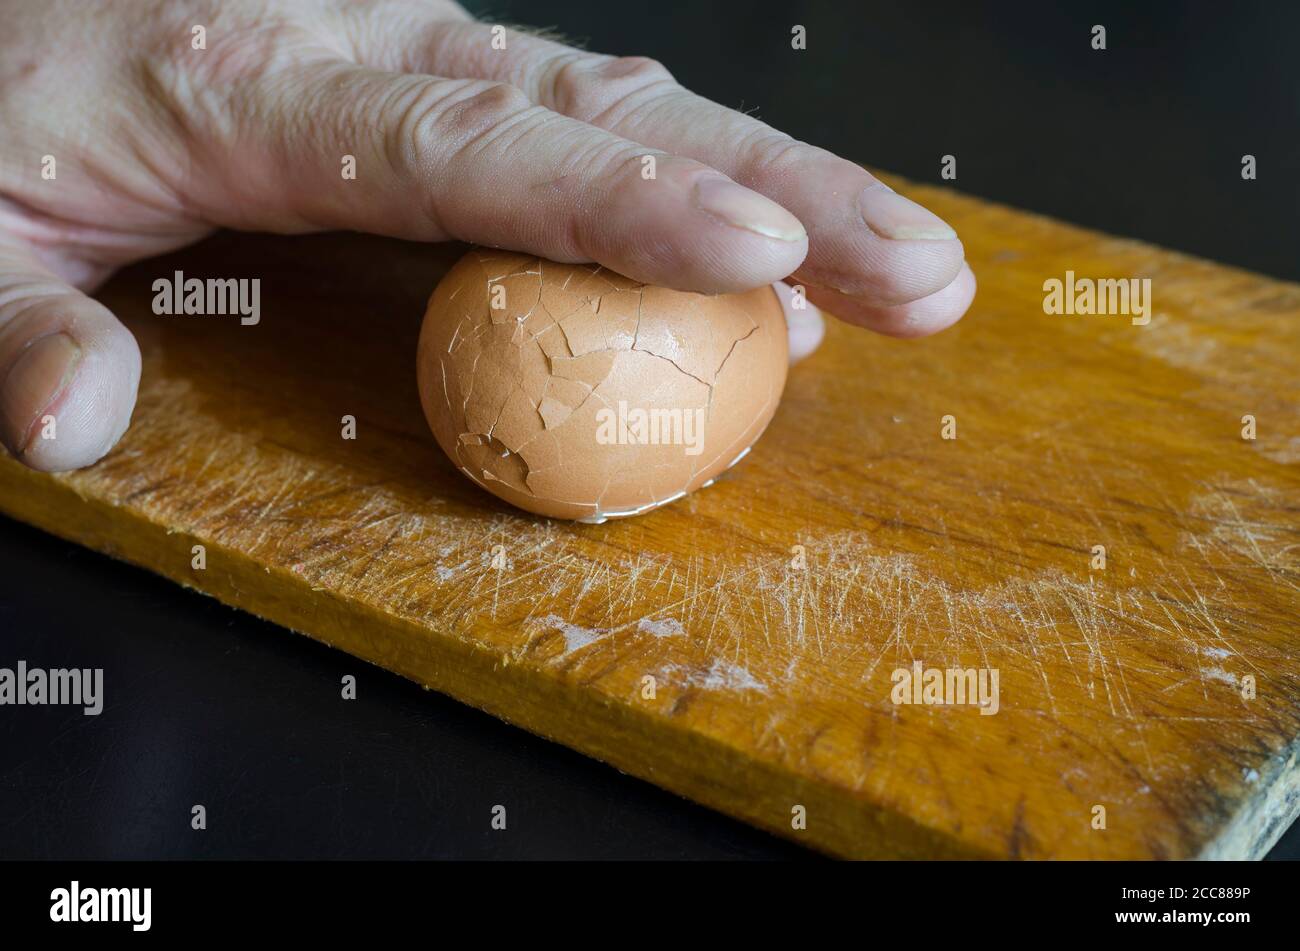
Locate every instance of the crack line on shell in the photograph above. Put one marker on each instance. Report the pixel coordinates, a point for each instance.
(486, 326)
(660, 356)
(718, 372)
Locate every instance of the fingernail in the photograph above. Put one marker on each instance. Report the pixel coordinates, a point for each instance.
(746, 209)
(39, 375)
(892, 216)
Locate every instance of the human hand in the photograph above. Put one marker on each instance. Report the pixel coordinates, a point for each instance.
(536, 147)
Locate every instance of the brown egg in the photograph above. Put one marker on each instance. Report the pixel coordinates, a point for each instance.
(574, 392)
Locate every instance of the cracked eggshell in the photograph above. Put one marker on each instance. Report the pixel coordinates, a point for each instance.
(532, 374)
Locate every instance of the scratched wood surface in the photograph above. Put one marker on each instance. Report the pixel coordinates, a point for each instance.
(1120, 688)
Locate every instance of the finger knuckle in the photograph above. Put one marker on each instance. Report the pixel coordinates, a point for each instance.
(202, 90)
(231, 52)
(768, 156)
(638, 68)
(608, 89)
(447, 120)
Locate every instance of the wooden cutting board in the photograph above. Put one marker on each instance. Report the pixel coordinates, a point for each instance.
(739, 646)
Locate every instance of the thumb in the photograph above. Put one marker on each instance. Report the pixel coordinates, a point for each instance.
(68, 369)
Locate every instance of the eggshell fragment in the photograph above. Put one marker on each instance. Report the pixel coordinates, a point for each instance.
(574, 392)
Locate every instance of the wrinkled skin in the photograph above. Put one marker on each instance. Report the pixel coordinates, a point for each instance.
(537, 147)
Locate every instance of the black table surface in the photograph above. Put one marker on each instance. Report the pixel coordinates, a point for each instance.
(209, 706)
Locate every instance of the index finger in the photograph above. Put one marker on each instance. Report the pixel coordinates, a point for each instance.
(872, 250)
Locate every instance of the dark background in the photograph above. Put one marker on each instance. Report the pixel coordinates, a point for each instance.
(1144, 139)
(208, 705)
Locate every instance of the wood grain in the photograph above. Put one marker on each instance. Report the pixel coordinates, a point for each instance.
(1119, 687)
